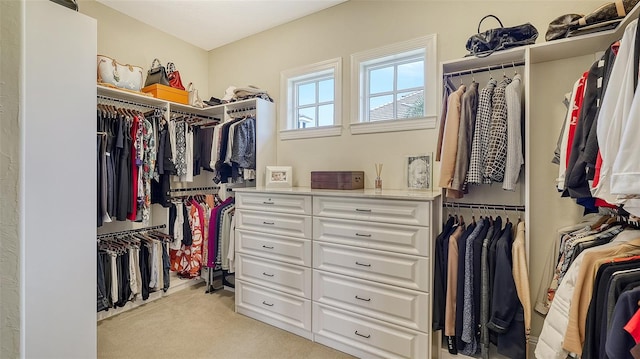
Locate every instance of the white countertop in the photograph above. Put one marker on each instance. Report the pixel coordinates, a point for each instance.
(414, 195)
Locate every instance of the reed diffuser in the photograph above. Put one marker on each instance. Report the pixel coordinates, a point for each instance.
(378, 182)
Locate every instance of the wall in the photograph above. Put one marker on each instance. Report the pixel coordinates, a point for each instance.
(349, 28)
(360, 25)
(11, 21)
(130, 41)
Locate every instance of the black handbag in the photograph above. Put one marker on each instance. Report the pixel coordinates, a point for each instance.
(71, 4)
(157, 74)
(485, 43)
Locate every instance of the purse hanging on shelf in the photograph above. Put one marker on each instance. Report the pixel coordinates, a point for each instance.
(501, 38)
(194, 97)
(157, 74)
(174, 77)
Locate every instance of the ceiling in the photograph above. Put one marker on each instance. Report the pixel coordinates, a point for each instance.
(213, 23)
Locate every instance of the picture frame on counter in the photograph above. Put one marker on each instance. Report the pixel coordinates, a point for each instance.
(279, 177)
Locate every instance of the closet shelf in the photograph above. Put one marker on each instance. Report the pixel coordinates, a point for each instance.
(547, 51)
(580, 45)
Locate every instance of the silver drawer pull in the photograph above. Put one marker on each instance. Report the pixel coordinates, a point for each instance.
(363, 235)
(362, 210)
(366, 300)
(269, 223)
(364, 336)
(267, 247)
(362, 264)
(267, 304)
(268, 275)
(267, 202)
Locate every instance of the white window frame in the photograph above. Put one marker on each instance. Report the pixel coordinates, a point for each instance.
(359, 86)
(288, 118)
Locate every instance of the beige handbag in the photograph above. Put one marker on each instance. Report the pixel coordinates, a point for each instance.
(194, 97)
(114, 73)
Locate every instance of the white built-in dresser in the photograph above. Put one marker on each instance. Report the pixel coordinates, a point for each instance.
(349, 269)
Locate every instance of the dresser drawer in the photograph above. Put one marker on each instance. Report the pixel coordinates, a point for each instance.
(366, 337)
(391, 268)
(286, 249)
(287, 278)
(376, 210)
(282, 203)
(275, 223)
(383, 236)
(404, 307)
(282, 310)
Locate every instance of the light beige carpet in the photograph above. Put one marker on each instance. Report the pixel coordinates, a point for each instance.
(191, 324)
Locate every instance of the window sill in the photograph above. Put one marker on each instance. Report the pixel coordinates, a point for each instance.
(423, 123)
(324, 131)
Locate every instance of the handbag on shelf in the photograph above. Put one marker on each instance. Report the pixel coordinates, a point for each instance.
(71, 4)
(157, 74)
(194, 97)
(485, 43)
(605, 17)
(174, 77)
(114, 73)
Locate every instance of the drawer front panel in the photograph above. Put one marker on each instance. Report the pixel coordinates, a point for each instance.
(287, 278)
(376, 210)
(280, 248)
(383, 236)
(391, 268)
(403, 307)
(271, 202)
(378, 338)
(274, 223)
(294, 311)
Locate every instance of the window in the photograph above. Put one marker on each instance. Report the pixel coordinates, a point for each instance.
(394, 87)
(311, 98)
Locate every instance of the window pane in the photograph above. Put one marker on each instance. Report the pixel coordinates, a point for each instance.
(411, 104)
(381, 80)
(307, 94)
(325, 115)
(307, 117)
(325, 90)
(411, 75)
(381, 108)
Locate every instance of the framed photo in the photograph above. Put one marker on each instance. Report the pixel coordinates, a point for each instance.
(418, 171)
(279, 177)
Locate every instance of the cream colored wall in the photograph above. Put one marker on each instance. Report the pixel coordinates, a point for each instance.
(349, 28)
(360, 25)
(11, 22)
(130, 41)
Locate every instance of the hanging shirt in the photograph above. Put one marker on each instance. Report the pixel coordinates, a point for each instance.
(468, 110)
(614, 113)
(479, 146)
(450, 141)
(515, 159)
(497, 150)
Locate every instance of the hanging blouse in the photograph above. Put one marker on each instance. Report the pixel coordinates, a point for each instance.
(479, 146)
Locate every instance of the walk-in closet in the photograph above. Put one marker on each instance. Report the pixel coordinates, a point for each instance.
(319, 179)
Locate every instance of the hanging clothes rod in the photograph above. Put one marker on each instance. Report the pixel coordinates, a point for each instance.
(126, 102)
(484, 69)
(138, 230)
(241, 110)
(495, 207)
(192, 189)
(176, 112)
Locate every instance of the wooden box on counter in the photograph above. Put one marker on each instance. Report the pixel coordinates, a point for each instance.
(167, 93)
(337, 179)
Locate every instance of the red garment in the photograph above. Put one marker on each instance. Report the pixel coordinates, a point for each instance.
(575, 113)
(633, 326)
(134, 168)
